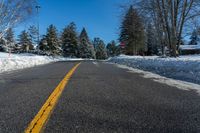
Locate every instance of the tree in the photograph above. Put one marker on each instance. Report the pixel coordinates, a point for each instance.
(9, 40)
(172, 15)
(100, 49)
(43, 45)
(69, 41)
(13, 12)
(152, 48)
(112, 49)
(53, 41)
(132, 32)
(194, 38)
(33, 32)
(86, 49)
(25, 41)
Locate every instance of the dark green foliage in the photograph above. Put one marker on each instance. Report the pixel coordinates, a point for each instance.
(53, 41)
(194, 38)
(152, 48)
(43, 46)
(9, 36)
(100, 49)
(86, 49)
(25, 41)
(112, 49)
(69, 41)
(132, 33)
(9, 40)
(33, 32)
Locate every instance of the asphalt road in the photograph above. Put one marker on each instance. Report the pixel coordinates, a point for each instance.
(99, 98)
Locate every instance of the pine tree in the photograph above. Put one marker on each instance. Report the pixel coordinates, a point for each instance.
(10, 41)
(69, 41)
(86, 49)
(194, 38)
(33, 32)
(112, 49)
(101, 53)
(53, 41)
(152, 48)
(2, 45)
(25, 41)
(132, 32)
(43, 46)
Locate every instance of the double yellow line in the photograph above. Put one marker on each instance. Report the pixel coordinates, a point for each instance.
(37, 124)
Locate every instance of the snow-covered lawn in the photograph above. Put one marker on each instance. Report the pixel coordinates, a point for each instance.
(185, 68)
(20, 61)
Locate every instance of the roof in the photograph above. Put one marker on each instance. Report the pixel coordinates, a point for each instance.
(190, 47)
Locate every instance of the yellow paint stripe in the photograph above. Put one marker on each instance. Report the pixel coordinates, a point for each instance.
(41, 118)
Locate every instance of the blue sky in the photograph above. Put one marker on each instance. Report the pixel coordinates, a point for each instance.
(101, 18)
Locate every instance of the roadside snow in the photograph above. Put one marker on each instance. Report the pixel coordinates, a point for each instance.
(157, 78)
(20, 61)
(185, 68)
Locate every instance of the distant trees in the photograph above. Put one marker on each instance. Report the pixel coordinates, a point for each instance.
(25, 41)
(152, 46)
(68, 43)
(194, 38)
(33, 33)
(100, 49)
(53, 40)
(10, 40)
(132, 32)
(112, 49)
(43, 45)
(69, 40)
(86, 49)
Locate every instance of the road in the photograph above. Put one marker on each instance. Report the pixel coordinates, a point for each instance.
(98, 98)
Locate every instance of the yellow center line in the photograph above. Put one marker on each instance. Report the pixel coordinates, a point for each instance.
(38, 123)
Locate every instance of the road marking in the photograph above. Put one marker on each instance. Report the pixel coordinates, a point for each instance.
(38, 123)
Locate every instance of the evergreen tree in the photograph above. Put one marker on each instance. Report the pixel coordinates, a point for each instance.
(101, 53)
(86, 49)
(53, 41)
(33, 32)
(69, 41)
(132, 32)
(2, 45)
(152, 48)
(112, 49)
(194, 38)
(25, 41)
(43, 46)
(10, 41)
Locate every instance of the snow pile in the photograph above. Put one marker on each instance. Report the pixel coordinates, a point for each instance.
(190, 47)
(185, 68)
(171, 82)
(19, 61)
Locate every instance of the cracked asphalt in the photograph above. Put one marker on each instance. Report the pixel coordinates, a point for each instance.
(99, 98)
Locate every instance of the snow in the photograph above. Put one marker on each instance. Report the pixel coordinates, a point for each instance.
(171, 82)
(10, 62)
(184, 68)
(190, 47)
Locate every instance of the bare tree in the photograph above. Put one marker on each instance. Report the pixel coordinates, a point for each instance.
(13, 12)
(172, 15)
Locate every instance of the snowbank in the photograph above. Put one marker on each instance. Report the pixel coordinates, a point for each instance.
(171, 82)
(185, 68)
(20, 61)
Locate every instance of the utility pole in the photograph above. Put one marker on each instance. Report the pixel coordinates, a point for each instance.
(38, 24)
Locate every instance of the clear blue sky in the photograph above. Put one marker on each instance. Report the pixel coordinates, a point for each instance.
(101, 18)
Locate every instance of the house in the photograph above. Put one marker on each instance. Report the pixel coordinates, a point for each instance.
(189, 49)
